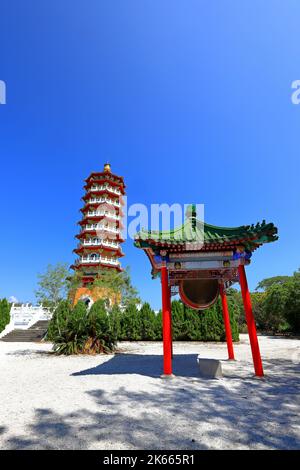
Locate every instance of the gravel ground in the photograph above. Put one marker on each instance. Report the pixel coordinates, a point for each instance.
(120, 401)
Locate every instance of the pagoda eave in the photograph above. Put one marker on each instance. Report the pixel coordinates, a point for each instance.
(94, 265)
(83, 234)
(101, 203)
(98, 218)
(118, 180)
(112, 183)
(99, 193)
(83, 249)
(90, 205)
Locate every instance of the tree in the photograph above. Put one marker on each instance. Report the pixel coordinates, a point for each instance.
(147, 322)
(79, 310)
(130, 324)
(115, 321)
(259, 311)
(265, 284)
(73, 282)
(59, 319)
(275, 307)
(199, 325)
(4, 314)
(158, 326)
(211, 323)
(178, 320)
(52, 285)
(236, 308)
(192, 323)
(100, 334)
(292, 308)
(119, 283)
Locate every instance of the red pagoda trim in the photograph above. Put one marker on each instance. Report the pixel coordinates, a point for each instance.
(94, 248)
(83, 234)
(90, 183)
(98, 218)
(104, 174)
(90, 205)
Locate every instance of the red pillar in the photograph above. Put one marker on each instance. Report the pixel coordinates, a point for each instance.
(166, 322)
(250, 323)
(226, 319)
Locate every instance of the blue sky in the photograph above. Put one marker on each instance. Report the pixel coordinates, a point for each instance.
(189, 100)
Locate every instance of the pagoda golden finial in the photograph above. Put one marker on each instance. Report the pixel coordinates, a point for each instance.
(107, 167)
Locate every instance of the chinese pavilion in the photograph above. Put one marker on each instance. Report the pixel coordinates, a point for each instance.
(100, 238)
(199, 262)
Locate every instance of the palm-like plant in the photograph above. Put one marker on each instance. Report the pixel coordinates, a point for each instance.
(84, 332)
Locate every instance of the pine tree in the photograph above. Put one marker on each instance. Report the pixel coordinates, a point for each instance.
(59, 319)
(130, 324)
(192, 324)
(147, 323)
(115, 322)
(80, 310)
(158, 326)
(178, 321)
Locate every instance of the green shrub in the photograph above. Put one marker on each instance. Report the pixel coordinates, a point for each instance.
(147, 323)
(189, 324)
(131, 324)
(179, 326)
(274, 307)
(59, 319)
(292, 306)
(115, 321)
(158, 326)
(4, 313)
(84, 332)
(101, 338)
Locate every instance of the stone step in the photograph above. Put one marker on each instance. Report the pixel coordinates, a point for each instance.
(42, 324)
(34, 334)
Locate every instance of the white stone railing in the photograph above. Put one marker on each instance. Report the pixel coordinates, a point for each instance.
(110, 215)
(105, 188)
(98, 259)
(100, 242)
(24, 316)
(99, 227)
(96, 200)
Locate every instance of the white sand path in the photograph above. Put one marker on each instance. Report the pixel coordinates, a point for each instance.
(120, 402)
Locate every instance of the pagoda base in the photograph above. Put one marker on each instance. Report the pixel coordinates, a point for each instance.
(91, 295)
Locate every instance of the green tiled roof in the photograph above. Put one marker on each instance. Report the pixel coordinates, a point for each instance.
(192, 230)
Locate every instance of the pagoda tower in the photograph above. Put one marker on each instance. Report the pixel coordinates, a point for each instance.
(100, 237)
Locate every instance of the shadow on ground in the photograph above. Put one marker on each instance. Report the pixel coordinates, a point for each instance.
(184, 365)
(29, 352)
(177, 414)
